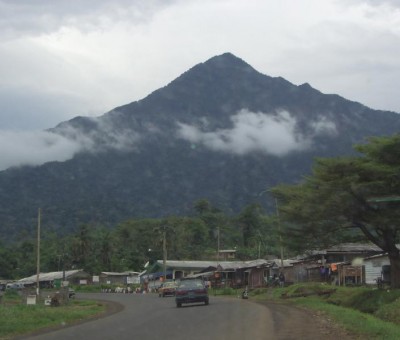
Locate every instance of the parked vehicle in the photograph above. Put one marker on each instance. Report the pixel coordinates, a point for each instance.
(167, 289)
(15, 285)
(191, 291)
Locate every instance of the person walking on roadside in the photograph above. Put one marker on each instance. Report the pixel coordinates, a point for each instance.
(281, 280)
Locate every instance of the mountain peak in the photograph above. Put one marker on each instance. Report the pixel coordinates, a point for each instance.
(221, 68)
(226, 57)
(227, 60)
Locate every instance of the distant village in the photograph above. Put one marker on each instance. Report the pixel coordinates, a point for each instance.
(345, 264)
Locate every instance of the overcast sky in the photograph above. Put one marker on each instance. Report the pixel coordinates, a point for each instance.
(64, 58)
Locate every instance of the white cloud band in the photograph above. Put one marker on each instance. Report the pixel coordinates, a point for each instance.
(274, 134)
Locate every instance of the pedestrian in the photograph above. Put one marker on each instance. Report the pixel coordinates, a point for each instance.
(281, 279)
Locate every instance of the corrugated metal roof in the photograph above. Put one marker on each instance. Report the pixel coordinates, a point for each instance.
(233, 265)
(375, 256)
(50, 276)
(224, 265)
(189, 264)
(347, 248)
(354, 247)
(128, 273)
(286, 263)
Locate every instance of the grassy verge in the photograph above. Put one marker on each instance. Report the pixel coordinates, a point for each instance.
(17, 318)
(366, 312)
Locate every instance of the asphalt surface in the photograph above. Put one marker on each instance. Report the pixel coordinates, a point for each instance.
(147, 317)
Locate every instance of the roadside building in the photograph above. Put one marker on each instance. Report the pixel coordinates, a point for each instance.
(345, 252)
(242, 273)
(174, 270)
(336, 264)
(47, 280)
(226, 254)
(123, 278)
(377, 266)
(219, 273)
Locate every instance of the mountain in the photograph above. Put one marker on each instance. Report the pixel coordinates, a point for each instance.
(221, 131)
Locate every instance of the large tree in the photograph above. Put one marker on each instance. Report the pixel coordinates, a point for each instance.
(351, 196)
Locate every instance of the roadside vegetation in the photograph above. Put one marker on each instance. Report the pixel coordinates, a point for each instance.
(368, 313)
(349, 196)
(18, 318)
(365, 312)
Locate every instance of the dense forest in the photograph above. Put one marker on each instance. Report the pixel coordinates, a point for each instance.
(354, 198)
(129, 245)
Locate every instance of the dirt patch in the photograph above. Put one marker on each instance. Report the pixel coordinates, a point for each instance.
(292, 322)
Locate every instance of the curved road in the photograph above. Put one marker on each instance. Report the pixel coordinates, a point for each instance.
(147, 317)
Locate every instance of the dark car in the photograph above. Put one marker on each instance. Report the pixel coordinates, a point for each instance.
(191, 291)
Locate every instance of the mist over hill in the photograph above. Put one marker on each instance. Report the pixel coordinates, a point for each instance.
(221, 131)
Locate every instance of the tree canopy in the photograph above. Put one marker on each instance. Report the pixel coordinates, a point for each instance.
(349, 198)
(129, 245)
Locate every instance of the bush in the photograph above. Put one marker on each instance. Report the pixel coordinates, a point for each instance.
(389, 312)
(303, 290)
(259, 291)
(224, 291)
(11, 293)
(228, 291)
(370, 301)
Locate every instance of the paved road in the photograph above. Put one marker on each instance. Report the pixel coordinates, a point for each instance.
(148, 317)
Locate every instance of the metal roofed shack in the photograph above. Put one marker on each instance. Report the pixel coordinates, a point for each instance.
(47, 280)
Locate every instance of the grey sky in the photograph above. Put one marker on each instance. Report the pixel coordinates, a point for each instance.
(65, 58)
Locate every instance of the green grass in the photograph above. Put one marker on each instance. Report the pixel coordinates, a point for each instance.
(366, 326)
(366, 312)
(225, 291)
(18, 318)
(390, 312)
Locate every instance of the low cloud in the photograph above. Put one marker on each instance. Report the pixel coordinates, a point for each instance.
(101, 136)
(274, 134)
(33, 148)
(323, 126)
(20, 148)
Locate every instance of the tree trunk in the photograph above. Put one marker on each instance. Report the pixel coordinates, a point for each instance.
(394, 258)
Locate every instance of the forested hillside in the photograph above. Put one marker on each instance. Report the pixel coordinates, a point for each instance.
(221, 131)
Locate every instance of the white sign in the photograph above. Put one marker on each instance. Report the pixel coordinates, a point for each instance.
(132, 280)
(31, 300)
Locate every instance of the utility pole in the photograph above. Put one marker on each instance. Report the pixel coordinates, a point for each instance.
(218, 245)
(279, 230)
(164, 228)
(38, 255)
